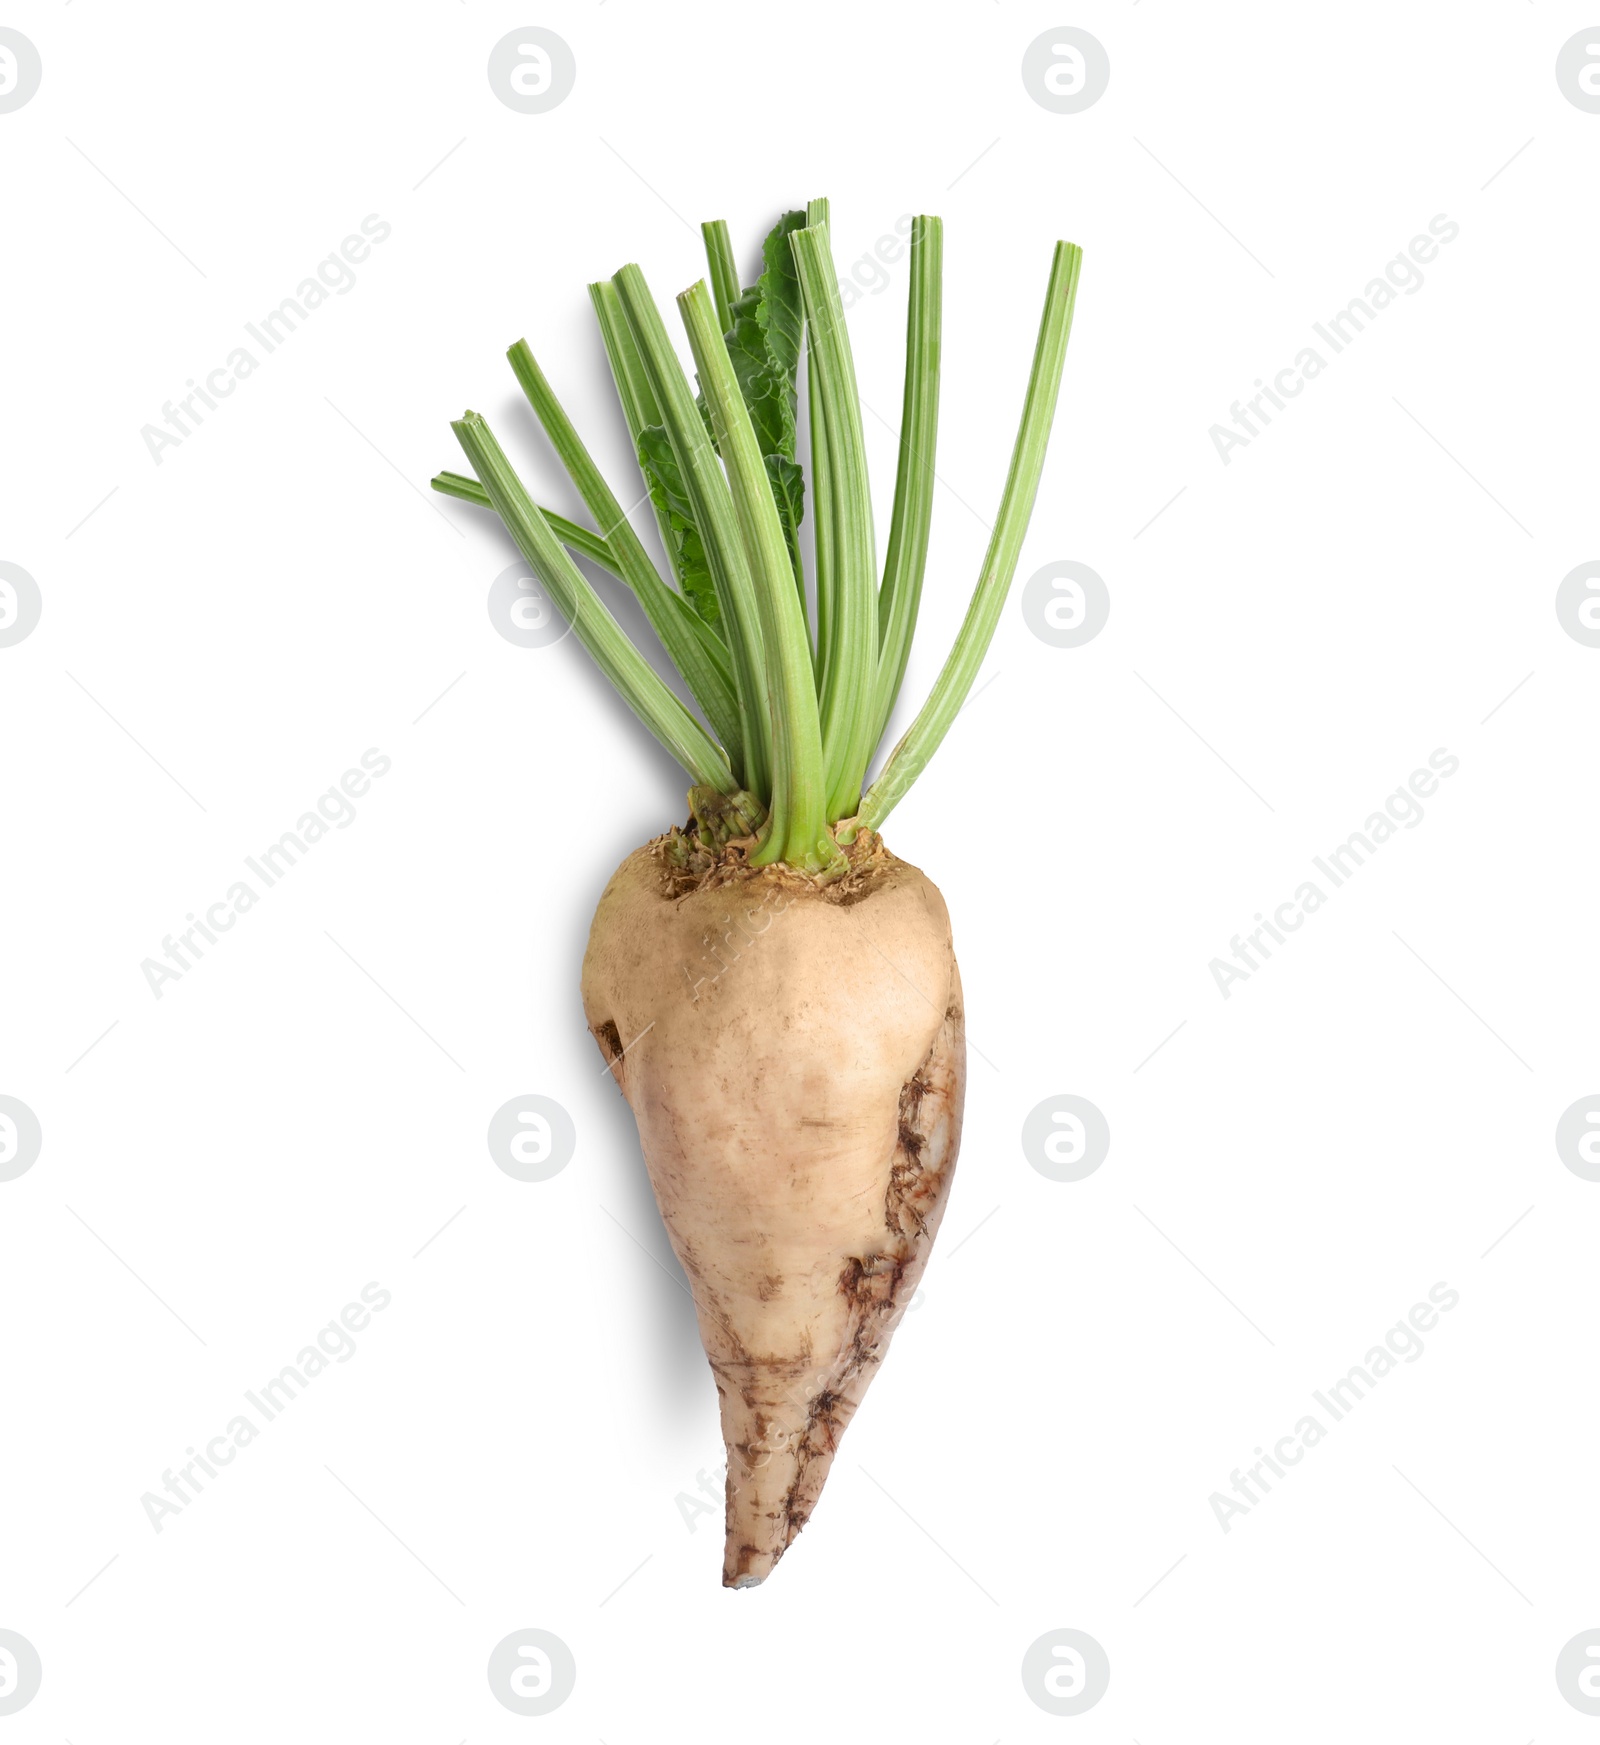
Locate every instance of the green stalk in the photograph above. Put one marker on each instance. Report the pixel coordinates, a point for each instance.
(850, 664)
(821, 486)
(693, 645)
(821, 525)
(635, 680)
(907, 561)
(724, 270)
(598, 551)
(714, 517)
(627, 368)
(578, 539)
(639, 407)
(797, 830)
(922, 738)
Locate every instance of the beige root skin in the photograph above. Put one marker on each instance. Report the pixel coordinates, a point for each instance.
(795, 1059)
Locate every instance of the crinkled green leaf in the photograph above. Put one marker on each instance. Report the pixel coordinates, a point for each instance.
(782, 311)
(764, 343)
(789, 493)
(764, 348)
(660, 467)
(768, 392)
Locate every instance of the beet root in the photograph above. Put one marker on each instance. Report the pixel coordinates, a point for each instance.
(795, 1059)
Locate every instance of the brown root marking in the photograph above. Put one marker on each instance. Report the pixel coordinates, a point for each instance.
(610, 1040)
(904, 1214)
(740, 1563)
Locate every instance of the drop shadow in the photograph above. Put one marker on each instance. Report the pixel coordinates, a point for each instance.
(633, 1236)
(672, 1339)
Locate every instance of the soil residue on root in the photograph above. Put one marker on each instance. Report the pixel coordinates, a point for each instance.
(688, 865)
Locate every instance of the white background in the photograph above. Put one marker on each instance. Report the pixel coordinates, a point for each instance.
(225, 634)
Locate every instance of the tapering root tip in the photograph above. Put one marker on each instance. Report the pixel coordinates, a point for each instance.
(757, 1538)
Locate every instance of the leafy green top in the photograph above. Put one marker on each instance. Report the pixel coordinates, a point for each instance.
(796, 710)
